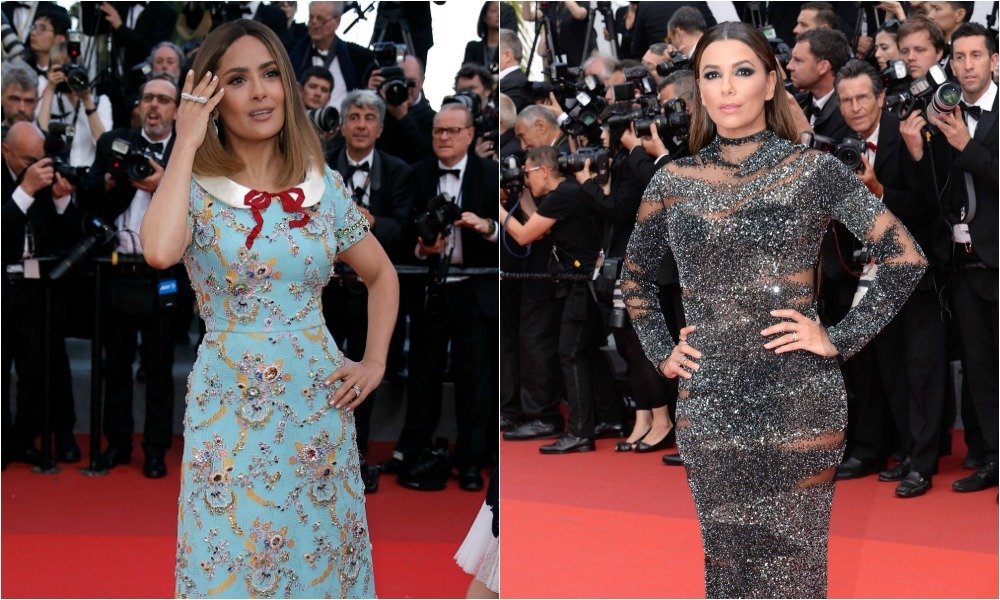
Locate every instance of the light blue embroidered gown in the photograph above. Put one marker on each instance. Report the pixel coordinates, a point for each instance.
(271, 503)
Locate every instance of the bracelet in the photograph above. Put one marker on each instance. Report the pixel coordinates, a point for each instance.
(90, 111)
(492, 230)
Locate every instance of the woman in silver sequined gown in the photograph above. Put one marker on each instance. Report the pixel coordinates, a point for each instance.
(761, 409)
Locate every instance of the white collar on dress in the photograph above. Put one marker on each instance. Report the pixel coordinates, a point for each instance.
(229, 192)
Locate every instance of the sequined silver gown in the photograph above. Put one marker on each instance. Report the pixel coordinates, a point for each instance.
(761, 433)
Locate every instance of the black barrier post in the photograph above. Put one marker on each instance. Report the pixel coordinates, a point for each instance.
(96, 382)
(48, 466)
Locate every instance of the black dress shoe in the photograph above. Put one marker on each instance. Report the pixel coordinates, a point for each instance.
(896, 473)
(154, 467)
(114, 456)
(853, 468)
(568, 443)
(470, 480)
(609, 430)
(985, 477)
(913, 485)
(532, 430)
(672, 460)
(507, 423)
(66, 449)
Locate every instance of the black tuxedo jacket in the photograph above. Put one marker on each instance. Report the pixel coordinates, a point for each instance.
(273, 17)
(354, 60)
(617, 211)
(979, 159)
(409, 138)
(390, 198)
(515, 84)
(108, 205)
(53, 233)
(154, 25)
(480, 185)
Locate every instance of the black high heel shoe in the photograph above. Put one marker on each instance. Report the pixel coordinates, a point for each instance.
(630, 446)
(668, 441)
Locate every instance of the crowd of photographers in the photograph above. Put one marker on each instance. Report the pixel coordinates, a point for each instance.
(88, 118)
(904, 94)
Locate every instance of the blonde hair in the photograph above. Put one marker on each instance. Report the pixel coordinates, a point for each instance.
(777, 114)
(298, 143)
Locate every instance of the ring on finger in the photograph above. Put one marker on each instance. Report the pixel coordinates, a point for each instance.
(795, 336)
(193, 98)
(357, 391)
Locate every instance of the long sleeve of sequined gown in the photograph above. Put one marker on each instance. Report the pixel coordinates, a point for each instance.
(761, 433)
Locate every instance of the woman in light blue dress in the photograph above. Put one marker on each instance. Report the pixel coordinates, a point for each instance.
(271, 503)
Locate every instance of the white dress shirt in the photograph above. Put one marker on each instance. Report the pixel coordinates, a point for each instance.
(130, 221)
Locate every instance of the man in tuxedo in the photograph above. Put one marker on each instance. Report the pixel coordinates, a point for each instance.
(513, 81)
(20, 16)
(905, 363)
(111, 194)
(39, 220)
(967, 147)
(460, 310)
(382, 188)
(921, 45)
(167, 57)
(408, 124)
(346, 61)
(816, 58)
(815, 15)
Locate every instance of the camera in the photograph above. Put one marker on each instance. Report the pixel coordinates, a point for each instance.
(895, 78)
(673, 121)
(439, 219)
(77, 78)
(933, 93)
(849, 150)
(485, 119)
(676, 62)
(129, 160)
(388, 60)
(600, 162)
(324, 119)
(511, 177)
(58, 140)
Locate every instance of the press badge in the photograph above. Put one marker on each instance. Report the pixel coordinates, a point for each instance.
(167, 293)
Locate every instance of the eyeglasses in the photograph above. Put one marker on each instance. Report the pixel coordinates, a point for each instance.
(41, 28)
(161, 98)
(321, 21)
(860, 100)
(451, 131)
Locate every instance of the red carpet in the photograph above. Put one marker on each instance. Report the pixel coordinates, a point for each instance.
(607, 525)
(71, 536)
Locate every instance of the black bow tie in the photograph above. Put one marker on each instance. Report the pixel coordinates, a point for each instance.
(19, 5)
(351, 169)
(443, 172)
(155, 147)
(974, 111)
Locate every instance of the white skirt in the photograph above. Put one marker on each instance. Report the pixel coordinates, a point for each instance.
(479, 554)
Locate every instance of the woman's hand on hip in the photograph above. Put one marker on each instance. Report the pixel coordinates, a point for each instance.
(680, 361)
(358, 379)
(800, 333)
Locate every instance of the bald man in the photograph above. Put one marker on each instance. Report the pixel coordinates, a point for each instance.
(38, 221)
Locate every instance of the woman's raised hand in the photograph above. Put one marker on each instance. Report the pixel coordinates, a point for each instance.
(193, 115)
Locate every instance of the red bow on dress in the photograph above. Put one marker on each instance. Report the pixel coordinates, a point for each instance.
(291, 201)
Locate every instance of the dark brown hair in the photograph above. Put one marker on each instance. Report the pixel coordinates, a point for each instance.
(777, 113)
(918, 23)
(297, 141)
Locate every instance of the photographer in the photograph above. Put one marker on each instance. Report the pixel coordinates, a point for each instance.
(540, 310)
(39, 220)
(316, 85)
(576, 245)
(513, 80)
(382, 187)
(685, 28)
(48, 28)
(921, 45)
(69, 101)
(816, 58)
(166, 57)
(136, 27)
(408, 125)
(19, 91)
(961, 162)
(461, 311)
(907, 358)
(346, 61)
(140, 299)
(477, 82)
